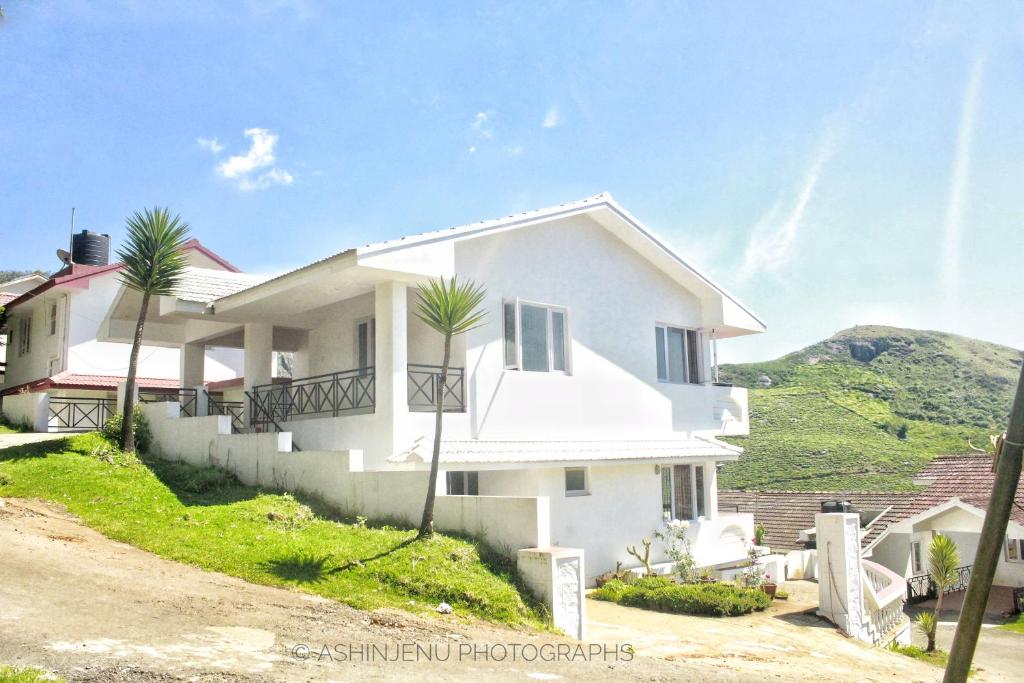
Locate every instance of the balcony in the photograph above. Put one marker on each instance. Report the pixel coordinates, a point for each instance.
(351, 392)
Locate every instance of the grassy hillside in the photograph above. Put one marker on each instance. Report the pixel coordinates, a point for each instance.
(868, 407)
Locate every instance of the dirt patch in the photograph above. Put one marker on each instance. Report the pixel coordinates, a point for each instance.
(93, 609)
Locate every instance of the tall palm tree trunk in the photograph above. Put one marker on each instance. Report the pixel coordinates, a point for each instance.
(128, 411)
(427, 524)
(935, 623)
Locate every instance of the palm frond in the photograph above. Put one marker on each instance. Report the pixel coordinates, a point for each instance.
(451, 307)
(943, 560)
(152, 251)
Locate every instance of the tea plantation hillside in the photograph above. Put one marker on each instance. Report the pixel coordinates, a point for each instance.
(868, 407)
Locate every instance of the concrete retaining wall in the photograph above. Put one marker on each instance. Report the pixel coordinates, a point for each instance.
(508, 523)
(28, 408)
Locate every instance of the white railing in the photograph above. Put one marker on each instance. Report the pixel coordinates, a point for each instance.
(884, 595)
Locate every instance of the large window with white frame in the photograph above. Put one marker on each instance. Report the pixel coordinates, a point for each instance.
(682, 492)
(679, 354)
(916, 557)
(536, 336)
(51, 318)
(1014, 549)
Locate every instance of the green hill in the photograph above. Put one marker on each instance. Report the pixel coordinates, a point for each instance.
(868, 407)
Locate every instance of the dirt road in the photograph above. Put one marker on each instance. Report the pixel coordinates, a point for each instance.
(91, 609)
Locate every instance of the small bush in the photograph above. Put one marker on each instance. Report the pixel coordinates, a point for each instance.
(143, 436)
(661, 594)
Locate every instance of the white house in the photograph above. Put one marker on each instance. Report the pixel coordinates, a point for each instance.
(9, 291)
(61, 376)
(589, 388)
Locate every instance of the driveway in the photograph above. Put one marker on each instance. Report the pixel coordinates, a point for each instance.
(786, 642)
(20, 438)
(999, 655)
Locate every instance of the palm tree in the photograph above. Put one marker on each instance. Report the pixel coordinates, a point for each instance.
(153, 263)
(451, 308)
(943, 560)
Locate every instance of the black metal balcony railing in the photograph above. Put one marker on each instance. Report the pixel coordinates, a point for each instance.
(921, 588)
(80, 414)
(234, 409)
(332, 394)
(185, 396)
(424, 383)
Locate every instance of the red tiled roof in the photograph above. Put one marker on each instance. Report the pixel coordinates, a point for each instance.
(5, 297)
(225, 384)
(785, 514)
(70, 380)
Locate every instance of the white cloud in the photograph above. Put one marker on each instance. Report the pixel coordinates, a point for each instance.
(482, 125)
(210, 144)
(245, 168)
(514, 150)
(771, 243)
(552, 117)
(958, 183)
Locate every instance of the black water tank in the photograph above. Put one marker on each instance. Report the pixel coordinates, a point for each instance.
(90, 248)
(836, 506)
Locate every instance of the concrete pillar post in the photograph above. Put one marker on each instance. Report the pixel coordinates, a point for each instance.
(556, 577)
(259, 349)
(192, 364)
(391, 368)
(840, 591)
(710, 490)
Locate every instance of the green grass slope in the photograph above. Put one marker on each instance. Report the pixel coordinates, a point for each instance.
(869, 407)
(206, 518)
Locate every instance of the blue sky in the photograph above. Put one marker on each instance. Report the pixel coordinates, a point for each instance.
(831, 164)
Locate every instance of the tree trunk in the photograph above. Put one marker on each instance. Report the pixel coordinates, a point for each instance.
(990, 545)
(427, 524)
(935, 624)
(128, 410)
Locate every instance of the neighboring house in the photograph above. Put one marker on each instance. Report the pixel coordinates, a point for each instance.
(61, 376)
(590, 384)
(898, 527)
(9, 291)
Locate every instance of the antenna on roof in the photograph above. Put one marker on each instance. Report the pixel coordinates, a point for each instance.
(71, 239)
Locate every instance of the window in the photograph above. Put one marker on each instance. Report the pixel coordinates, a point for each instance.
(51, 317)
(679, 355)
(24, 335)
(463, 483)
(682, 492)
(536, 337)
(576, 481)
(916, 558)
(365, 343)
(1015, 549)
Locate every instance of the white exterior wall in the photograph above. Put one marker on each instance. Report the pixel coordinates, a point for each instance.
(893, 552)
(74, 347)
(27, 409)
(336, 477)
(623, 507)
(614, 299)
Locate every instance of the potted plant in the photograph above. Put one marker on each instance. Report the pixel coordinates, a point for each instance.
(759, 531)
(769, 586)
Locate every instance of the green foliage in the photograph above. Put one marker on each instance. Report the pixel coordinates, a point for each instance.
(1015, 624)
(661, 594)
(759, 532)
(26, 674)
(943, 560)
(936, 657)
(111, 430)
(152, 254)
(208, 519)
(450, 307)
(927, 622)
(679, 549)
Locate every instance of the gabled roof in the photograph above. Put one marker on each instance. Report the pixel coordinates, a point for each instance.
(951, 479)
(427, 260)
(205, 284)
(78, 274)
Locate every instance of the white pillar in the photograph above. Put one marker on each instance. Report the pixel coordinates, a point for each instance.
(556, 577)
(192, 364)
(840, 591)
(259, 350)
(710, 490)
(390, 368)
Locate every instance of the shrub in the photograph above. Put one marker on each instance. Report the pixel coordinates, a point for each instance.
(661, 594)
(111, 430)
(182, 477)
